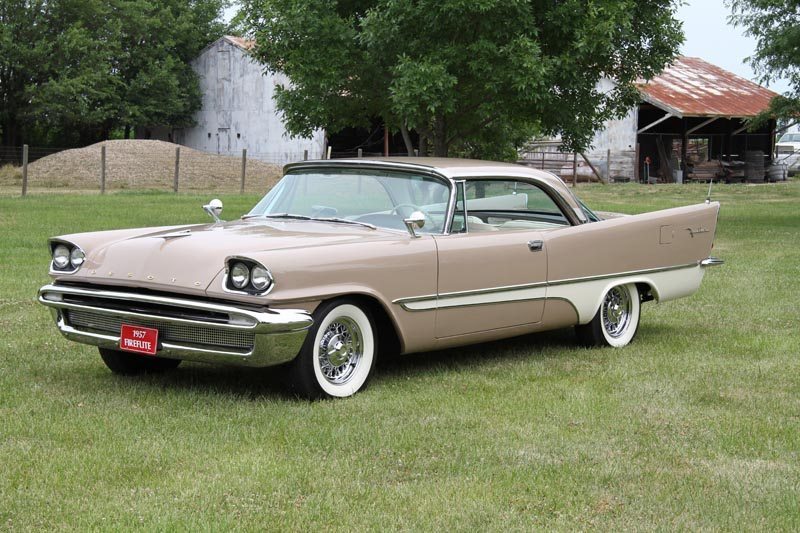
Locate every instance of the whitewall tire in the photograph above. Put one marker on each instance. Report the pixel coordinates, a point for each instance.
(616, 321)
(339, 352)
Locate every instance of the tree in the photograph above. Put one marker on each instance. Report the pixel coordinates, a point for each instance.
(476, 78)
(776, 26)
(77, 69)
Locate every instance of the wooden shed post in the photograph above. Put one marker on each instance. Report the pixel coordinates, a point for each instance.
(24, 169)
(103, 169)
(574, 169)
(244, 170)
(176, 176)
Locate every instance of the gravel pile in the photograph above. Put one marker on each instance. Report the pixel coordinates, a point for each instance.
(145, 164)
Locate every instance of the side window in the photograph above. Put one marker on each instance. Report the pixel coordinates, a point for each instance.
(503, 204)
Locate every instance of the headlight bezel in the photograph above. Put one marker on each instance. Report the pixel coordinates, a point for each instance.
(74, 258)
(250, 288)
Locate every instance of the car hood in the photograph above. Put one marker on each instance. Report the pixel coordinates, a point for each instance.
(190, 257)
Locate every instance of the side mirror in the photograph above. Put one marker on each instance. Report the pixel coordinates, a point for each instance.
(415, 221)
(214, 209)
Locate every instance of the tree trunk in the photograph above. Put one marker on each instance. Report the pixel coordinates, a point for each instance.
(128, 131)
(406, 138)
(423, 144)
(440, 146)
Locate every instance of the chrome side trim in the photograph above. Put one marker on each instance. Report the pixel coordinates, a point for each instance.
(434, 301)
(278, 333)
(711, 261)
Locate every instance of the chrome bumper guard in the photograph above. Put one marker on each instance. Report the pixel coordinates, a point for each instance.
(192, 330)
(711, 261)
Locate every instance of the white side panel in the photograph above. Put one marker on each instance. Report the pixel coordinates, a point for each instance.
(586, 296)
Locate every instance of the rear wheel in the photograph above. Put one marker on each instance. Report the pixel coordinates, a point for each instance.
(129, 364)
(617, 320)
(339, 352)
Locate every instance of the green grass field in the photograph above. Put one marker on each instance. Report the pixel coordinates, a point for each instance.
(696, 425)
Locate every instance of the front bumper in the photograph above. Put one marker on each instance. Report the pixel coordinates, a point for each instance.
(193, 330)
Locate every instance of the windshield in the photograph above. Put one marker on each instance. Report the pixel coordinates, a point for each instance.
(375, 197)
(790, 138)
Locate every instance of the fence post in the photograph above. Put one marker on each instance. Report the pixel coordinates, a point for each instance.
(360, 153)
(636, 164)
(244, 170)
(177, 174)
(608, 166)
(305, 155)
(24, 169)
(103, 169)
(574, 169)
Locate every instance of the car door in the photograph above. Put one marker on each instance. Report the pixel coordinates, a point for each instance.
(489, 280)
(493, 274)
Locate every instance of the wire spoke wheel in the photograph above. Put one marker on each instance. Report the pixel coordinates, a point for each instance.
(340, 350)
(616, 321)
(616, 311)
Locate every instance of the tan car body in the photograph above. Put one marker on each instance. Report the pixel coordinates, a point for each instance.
(436, 290)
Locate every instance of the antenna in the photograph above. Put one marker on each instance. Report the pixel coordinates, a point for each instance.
(708, 198)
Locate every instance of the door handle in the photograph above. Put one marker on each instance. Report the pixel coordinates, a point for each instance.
(535, 246)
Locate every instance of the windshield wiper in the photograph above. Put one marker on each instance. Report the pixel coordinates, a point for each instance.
(286, 215)
(346, 221)
(306, 217)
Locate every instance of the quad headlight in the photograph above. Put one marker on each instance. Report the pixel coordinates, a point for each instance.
(244, 275)
(240, 275)
(66, 257)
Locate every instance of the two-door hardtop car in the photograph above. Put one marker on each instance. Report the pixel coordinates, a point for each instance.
(343, 257)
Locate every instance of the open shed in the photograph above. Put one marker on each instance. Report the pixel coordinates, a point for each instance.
(692, 120)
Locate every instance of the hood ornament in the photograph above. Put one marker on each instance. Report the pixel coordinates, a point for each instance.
(214, 209)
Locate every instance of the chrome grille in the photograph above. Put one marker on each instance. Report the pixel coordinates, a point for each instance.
(169, 332)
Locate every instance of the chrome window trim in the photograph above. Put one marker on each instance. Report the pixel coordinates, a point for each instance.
(386, 166)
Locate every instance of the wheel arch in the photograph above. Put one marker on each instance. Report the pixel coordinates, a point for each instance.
(388, 334)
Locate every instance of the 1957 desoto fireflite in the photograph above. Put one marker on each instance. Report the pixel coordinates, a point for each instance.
(344, 258)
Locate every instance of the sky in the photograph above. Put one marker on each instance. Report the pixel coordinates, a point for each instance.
(708, 36)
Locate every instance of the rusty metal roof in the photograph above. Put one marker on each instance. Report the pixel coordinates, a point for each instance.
(693, 87)
(244, 44)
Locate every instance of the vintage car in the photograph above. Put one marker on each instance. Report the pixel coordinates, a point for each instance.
(343, 259)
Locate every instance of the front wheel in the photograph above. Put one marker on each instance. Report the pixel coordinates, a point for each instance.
(339, 352)
(617, 320)
(129, 364)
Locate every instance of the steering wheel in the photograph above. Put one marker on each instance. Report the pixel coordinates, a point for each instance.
(396, 210)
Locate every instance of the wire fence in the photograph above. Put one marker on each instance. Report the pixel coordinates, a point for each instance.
(159, 165)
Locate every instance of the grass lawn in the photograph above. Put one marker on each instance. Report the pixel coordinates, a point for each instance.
(696, 425)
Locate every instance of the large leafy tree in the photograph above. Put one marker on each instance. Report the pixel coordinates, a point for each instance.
(472, 77)
(78, 69)
(775, 24)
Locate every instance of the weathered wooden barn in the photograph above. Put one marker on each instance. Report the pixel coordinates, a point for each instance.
(692, 119)
(238, 110)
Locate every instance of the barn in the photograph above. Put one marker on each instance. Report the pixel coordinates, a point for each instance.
(238, 110)
(692, 118)
(691, 123)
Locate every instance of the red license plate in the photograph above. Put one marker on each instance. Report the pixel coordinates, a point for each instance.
(138, 339)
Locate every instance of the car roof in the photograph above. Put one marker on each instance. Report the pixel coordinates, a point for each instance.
(453, 168)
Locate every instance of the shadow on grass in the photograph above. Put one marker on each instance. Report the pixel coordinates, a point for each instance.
(533, 346)
(259, 384)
